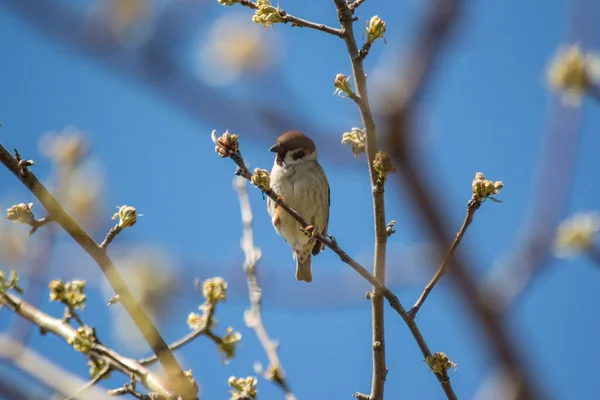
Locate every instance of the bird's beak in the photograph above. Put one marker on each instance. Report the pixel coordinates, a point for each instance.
(274, 149)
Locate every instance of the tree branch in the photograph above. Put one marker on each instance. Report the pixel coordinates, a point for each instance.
(202, 330)
(295, 21)
(140, 317)
(345, 14)
(471, 208)
(227, 146)
(92, 382)
(65, 331)
(50, 374)
(275, 370)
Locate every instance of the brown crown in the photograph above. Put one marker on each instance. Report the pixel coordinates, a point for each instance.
(293, 140)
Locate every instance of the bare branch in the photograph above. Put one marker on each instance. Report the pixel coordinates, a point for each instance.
(345, 14)
(92, 382)
(353, 5)
(227, 146)
(139, 316)
(471, 208)
(44, 370)
(202, 330)
(295, 21)
(65, 331)
(110, 236)
(275, 370)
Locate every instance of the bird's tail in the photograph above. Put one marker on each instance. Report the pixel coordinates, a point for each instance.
(303, 271)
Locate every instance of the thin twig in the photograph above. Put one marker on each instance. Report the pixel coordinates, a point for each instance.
(110, 236)
(332, 244)
(353, 5)
(129, 389)
(135, 311)
(275, 370)
(202, 330)
(295, 21)
(65, 331)
(92, 382)
(345, 14)
(471, 208)
(71, 313)
(38, 223)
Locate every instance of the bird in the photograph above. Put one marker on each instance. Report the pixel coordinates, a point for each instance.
(300, 182)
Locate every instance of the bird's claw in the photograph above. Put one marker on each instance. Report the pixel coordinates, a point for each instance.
(332, 239)
(310, 231)
(278, 201)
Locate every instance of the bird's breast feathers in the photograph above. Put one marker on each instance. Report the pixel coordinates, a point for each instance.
(304, 188)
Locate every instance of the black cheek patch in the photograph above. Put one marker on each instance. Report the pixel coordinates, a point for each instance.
(299, 154)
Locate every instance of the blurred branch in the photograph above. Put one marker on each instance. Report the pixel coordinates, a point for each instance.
(513, 274)
(63, 330)
(159, 70)
(227, 147)
(43, 370)
(103, 373)
(253, 317)
(439, 20)
(139, 316)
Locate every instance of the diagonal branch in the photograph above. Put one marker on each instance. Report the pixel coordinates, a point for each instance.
(135, 311)
(103, 373)
(227, 146)
(471, 208)
(65, 331)
(202, 330)
(254, 317)
(43, 370)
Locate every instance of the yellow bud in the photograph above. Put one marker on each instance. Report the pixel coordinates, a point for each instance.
(375, 29)
(342, 85)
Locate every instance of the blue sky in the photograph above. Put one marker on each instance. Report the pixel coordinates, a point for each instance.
(487, 110)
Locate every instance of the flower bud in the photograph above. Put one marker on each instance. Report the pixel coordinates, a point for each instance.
(261, 179)
(265, 14)
(356, 139)
(21, 213)
(484, 188)
(376, 29)
(576, 234)
(242, 387)
(226, 144)
(127, 216)
(383, 166)
(214, 290)
(440, 363)
(342, 85)
(572, 73)
(229, 343)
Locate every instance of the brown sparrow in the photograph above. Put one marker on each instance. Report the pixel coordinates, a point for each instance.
(301, 183)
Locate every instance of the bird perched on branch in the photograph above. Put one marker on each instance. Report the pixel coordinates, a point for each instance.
(301, 183)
